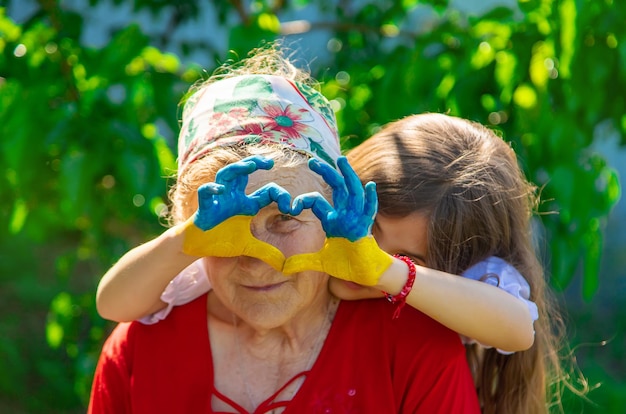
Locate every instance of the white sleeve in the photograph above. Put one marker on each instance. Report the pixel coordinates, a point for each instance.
(185, 287)
(500, 273)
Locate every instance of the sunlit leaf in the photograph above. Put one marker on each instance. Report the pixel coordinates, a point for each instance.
(446, 85)
(62, 305)
(167, 159)
(163, 62)
(496, 34)
(54, 334)
(525, 96)
(613, 187)
(123, 49)
(567, 11)
(488, 102)
(9, 31)
(18, 217)
(360, 95)
(539, 71)
(269, 23)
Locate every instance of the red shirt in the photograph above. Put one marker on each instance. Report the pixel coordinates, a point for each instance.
(370, 363)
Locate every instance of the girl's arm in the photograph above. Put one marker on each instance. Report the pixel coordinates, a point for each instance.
(475, 309)
(132, 288)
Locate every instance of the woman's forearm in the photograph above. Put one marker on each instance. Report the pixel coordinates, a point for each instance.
(132, 288)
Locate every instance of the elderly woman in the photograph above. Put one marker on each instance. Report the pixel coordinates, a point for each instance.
(269, 337)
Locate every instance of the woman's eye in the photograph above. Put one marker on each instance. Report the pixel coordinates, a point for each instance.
(284, 223)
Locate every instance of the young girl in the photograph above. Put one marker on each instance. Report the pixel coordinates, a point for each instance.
(453, 198)
(451, 194)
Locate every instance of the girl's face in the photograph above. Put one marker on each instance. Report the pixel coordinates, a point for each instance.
(406, 236)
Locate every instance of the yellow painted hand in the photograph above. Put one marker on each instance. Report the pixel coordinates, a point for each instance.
(229, 238)
(361, 261)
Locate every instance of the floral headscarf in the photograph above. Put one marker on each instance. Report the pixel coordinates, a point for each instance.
(258, 109)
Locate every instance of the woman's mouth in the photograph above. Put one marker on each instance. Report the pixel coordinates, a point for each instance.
(265, 288)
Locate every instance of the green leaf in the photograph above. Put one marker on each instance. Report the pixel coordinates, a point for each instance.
(562, 181)
(18, 217)
(565, 259)
(591, 268)
(611, 188)
(568, 13)
(73, 179)
(125, 46)
(167, 159)
(54, 334)
(525, 97)
(61, 309)
(9, 31)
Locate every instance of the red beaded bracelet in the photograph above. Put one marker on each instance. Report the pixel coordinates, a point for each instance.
(400, 298)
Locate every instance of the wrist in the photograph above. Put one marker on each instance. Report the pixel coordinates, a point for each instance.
(399, 299)
(394, 279)
(174, 239)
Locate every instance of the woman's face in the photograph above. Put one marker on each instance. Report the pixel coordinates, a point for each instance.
(251, 288)
(406, 236)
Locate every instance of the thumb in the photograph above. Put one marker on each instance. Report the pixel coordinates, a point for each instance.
(301, 262)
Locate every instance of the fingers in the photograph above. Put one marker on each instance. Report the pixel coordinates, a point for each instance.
(209, 189)
(235, 170)
(353, 185)
(206, 193)
(282, 198)
(332, 178)
(371, 202)
(264, 251)
(261, 162)
(272, 192)
(296, 207)
(243, 168)
(347, 188)
(317, 203)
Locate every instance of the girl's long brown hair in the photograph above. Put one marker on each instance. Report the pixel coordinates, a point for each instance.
(467, 180)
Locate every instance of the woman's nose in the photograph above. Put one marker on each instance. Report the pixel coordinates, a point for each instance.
(256, 228)
(260, 232)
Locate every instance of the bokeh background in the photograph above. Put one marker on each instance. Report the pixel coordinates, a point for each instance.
(89, 93)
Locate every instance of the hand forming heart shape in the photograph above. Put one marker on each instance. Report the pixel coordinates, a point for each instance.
(221, 226)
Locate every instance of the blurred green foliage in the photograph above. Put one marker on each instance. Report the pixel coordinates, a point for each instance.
(87, 141)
